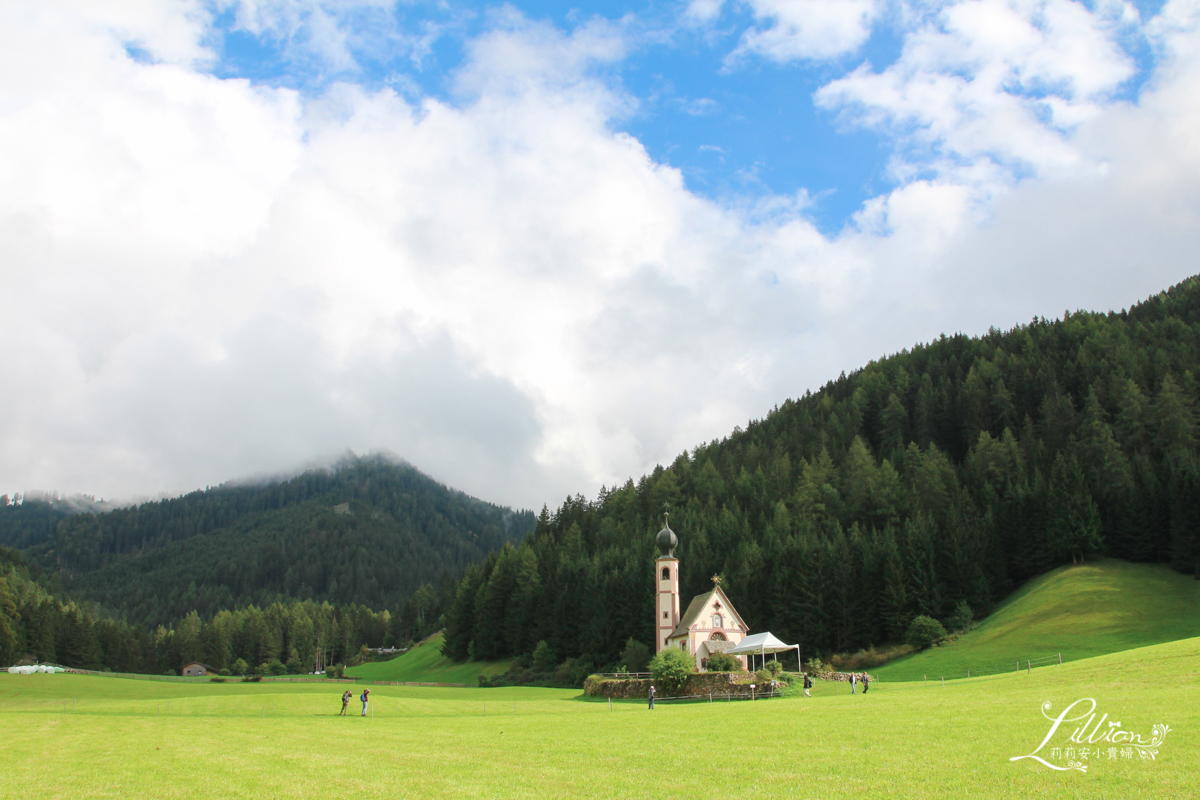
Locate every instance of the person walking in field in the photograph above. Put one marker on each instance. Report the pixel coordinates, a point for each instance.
(652, 693)
(365, 693)
(345, 702)
(807, 684)
(853, 683)
(866, 681)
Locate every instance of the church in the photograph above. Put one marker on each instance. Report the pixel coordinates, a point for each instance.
(711, 624)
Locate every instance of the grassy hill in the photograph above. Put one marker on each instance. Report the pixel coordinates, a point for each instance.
(1081, 611)
(426, 663)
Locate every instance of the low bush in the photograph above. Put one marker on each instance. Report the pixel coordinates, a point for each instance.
(962, 618)
(671, 667)
(925, 632)
(866, 659)
(543, 658)
(635, 656)
(722, 662)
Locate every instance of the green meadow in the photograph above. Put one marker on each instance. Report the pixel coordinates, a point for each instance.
(1080, 611)
(83, 736)
(426, 663)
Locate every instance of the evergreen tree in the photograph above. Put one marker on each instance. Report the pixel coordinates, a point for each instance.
(1073, 526)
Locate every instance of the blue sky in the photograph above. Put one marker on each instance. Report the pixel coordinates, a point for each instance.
(736, 127)
(741, 130)
(536, 248)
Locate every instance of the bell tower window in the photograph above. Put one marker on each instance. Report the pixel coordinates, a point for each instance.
(666, 575)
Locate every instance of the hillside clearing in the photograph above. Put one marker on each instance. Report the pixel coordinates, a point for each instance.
(427, 664)
(1081, 611)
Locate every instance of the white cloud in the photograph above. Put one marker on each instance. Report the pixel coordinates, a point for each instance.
(988, 92)
(210, 279)
(808, 29)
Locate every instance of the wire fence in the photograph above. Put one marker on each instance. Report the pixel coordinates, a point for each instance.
(184, 707)
(1017, 665)
(262, 679)
(720, 698)
(624, 675)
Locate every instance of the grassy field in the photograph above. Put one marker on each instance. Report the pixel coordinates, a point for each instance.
(426, 663)
(1081, 611)
(84, 737)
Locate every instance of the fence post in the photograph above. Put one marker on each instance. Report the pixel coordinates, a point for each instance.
(1060, 659)
(1029, 666)
(943, 681)
(968, 673)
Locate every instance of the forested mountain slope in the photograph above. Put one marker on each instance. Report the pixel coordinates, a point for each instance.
(368, 531)
(949, 473)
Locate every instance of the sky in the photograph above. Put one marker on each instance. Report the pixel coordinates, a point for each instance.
(534, 248)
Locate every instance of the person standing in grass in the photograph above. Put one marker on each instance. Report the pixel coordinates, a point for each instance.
(866, 681)
(853, 683)
(365, 694)
(652, 693)
(345, 702)
(807, 684)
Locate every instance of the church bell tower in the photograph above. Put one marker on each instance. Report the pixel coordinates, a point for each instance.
(666, 569)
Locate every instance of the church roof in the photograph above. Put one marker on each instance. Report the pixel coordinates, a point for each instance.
(698, 604)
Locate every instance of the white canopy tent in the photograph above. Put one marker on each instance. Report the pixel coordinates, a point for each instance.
(762, 643)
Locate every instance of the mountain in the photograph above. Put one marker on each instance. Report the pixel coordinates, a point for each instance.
(930, 482)
(367, 531)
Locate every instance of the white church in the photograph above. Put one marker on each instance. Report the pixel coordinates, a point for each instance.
(710, 625)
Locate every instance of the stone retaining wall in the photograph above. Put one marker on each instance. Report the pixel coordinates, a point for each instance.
(700, 684)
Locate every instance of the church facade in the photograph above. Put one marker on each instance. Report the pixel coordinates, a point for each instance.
(709, 625)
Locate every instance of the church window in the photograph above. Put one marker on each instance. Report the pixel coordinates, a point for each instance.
(666, 574)
(717, 637)
(717, 621)
(664, 615)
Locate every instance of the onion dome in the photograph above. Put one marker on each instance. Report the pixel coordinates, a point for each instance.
(667, 541)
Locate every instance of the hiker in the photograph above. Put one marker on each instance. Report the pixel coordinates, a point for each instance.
(807, 684)
(866, 681)
(345, 702)
(853, 682)
(364, 700)
(652, 693)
